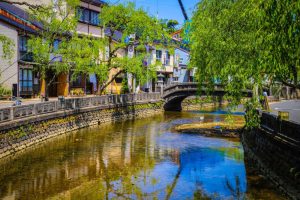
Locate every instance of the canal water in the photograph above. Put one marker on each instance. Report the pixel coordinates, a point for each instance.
(137, 159)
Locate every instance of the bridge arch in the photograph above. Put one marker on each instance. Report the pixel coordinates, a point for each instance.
(174, 94)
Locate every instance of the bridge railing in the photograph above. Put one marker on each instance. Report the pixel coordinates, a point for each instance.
(172, 85)
(192, 86)
(24, 111)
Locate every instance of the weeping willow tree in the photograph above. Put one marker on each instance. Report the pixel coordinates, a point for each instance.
(244, 43)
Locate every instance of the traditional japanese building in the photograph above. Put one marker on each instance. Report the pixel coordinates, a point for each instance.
(17, 73)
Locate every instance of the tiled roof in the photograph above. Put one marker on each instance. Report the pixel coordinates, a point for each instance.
(95, 2)
(19, 17)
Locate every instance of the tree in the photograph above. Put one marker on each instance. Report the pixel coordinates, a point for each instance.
(244, 43)
(137, 29)
(281, 23)
(7, 53)
(7, 47)
(58, 26)
(170, 26)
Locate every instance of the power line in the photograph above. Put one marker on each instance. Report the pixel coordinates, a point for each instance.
(183, 10)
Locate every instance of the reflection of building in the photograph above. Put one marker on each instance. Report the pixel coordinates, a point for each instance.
(175, 156)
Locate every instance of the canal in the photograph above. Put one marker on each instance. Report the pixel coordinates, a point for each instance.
(137, 159)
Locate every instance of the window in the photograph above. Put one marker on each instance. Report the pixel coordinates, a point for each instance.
(119, 80)
(88, 16)
(94, 18)
(167, 58)
(158, 55)
(23, 43)
(56, 44)
(23, 49)
(25, 80)
(76, 81)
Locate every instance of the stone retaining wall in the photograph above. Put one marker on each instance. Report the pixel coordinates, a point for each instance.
(194, 103)
(19, 135)
(275, 158)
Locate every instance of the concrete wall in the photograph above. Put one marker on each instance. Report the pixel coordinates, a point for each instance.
(182, 74)
(169, 67)
(9, 68)
(182, 57)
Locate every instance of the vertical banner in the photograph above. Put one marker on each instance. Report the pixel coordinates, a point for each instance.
(106, 53)
(129, 76)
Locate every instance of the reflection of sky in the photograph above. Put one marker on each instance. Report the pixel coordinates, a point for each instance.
(202, 165)
(239, 110)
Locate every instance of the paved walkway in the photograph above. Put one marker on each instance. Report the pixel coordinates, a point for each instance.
(291, 106)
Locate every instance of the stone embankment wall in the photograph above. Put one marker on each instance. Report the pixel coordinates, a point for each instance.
(197, 103)
(274, 151)
(19, 135)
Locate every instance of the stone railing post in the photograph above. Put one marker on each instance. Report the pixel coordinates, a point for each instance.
(11, 113)
(114, 99)
(56, 106)
(106, 100)
(73, 103)
(34, 109)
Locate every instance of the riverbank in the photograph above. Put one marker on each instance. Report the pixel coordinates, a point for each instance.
(274, 156)
(213, 129)
(18, 136)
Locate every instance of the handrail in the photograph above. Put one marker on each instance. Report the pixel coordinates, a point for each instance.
(290, 130)
(17, 112)
(194, 86)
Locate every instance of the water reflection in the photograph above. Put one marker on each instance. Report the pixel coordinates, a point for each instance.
(140, 159)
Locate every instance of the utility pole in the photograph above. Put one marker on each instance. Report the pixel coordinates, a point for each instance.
(183, 10)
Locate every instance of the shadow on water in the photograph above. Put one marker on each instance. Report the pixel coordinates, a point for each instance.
(140, 159)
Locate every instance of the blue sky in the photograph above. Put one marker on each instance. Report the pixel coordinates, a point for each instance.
(167, 9)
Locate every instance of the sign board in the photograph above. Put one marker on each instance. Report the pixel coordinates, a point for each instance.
(130, 51)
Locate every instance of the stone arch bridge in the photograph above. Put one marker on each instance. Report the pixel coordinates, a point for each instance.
(174, 94)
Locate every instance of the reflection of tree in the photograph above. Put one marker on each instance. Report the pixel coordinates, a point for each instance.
(233, 153)
(236, 192)
(110, 159)
(172, 186)
(200, 194)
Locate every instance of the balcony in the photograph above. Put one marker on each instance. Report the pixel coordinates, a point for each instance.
(166, 69)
